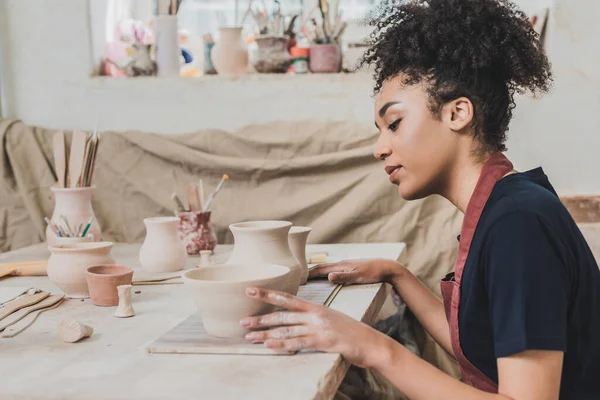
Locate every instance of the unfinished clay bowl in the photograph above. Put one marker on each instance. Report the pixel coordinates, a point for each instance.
(219, 293)
(67, 265)
(103, 281)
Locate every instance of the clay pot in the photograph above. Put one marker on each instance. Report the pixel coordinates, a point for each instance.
(297, 238)
(76, 205)
(67, 265)
(230, 54)
(103, 280)
(219, 293)
(325, 58)
(265, 242)
(162, 250)
(196, 232)
(273, 55)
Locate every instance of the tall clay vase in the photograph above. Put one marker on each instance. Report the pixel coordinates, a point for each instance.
(67, 265)
(162, 250)
(266, 242)
(297, 238)
(230, 55)
(76, 205)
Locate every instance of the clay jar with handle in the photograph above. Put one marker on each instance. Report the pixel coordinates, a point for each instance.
(162, 250)
(76, 205)
(230, 55)
(67, 265)
(297, 237)
(266, 241)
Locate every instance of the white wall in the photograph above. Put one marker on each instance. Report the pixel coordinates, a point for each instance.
(47, 83)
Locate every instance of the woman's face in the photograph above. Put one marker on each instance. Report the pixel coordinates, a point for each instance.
(418, 148)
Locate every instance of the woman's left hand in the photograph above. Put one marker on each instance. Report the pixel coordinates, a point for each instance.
(308, 326)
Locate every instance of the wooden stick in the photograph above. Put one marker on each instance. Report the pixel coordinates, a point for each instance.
(193, 200)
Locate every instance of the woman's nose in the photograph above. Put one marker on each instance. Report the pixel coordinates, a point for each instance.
(382, 149)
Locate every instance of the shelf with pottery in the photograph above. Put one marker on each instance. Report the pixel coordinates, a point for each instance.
(359, 77)
(113, 362)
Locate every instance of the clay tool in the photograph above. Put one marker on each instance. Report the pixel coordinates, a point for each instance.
(19, 315)
(23, 302)
(14, 330)
(27, 268)
(77, 153)
(211, 198)
(193, 200)
(72, 331)
(96, 143)
(178, 202)
(60, 158)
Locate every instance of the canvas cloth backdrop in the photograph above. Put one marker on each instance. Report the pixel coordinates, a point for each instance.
(319, 174)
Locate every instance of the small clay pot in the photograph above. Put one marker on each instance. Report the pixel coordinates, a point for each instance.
(103, 281)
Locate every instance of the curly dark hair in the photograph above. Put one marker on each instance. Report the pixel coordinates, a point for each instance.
(485, 50)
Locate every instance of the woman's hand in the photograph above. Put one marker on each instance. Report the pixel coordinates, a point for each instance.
(358, 271)
(309, 326)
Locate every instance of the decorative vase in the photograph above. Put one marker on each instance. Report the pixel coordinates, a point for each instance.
(196, 232)
(273, 55)
(162, 250)
(76, 205)
(297, 238)
(67, 265)
(230, 54)
(325, 58)
(265, 241)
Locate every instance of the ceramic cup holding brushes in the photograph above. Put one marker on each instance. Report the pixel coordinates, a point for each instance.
(195, 228)
(73, 190)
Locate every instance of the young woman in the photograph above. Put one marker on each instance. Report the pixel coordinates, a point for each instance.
(521, 312)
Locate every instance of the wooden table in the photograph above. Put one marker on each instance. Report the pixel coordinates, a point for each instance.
(114, 363)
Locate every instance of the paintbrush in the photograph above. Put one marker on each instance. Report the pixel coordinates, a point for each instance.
(87, 227)
(53, 226)
(66, 226)
(211, 198)
(178, 202)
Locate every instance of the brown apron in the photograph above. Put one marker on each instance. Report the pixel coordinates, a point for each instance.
(493, 170)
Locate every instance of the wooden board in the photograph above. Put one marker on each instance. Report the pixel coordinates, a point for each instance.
(190, 337)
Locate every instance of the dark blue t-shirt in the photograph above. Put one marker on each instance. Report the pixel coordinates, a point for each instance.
(531, 283)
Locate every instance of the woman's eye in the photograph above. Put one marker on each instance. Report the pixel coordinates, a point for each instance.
(394, 125)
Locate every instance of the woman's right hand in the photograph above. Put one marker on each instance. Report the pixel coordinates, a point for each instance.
(358, 271)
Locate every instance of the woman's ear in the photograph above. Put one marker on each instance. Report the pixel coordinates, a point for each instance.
(459, 113)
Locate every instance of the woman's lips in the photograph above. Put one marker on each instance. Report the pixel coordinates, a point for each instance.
(393, 174)
(392, 171)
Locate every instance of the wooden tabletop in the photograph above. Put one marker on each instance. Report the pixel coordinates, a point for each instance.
(114, 363)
